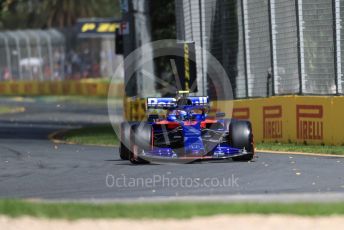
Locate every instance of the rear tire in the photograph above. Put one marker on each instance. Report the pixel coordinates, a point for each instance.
(124, 150)
(142, 136)
(241, 136)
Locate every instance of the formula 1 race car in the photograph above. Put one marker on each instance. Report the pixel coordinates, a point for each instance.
(186, 132)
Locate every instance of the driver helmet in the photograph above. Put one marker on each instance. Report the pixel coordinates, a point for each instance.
(182, 115)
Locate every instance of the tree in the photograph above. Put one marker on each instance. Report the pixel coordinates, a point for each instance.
(21, 14)
(64, 13)
(163, 22)
(163, 19)
(15, 14)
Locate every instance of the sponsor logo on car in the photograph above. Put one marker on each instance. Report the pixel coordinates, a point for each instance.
(161, 102)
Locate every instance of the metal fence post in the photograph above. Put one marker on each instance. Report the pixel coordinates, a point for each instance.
(244, 45)
(38, 41)
(18, 54)
(27, 39)
(8, 54)
(300, 50)
(272, 30)
(337, 45)
(204, 91)
(247, 48)
(49, 54)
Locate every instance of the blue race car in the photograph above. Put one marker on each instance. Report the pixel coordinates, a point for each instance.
(185, 133)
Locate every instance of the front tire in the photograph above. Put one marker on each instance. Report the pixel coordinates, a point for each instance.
(142, 136)
(241, 136)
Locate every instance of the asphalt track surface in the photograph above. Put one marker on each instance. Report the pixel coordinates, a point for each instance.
(31, 166)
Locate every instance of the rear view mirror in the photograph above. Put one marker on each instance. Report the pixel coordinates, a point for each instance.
(220, 114)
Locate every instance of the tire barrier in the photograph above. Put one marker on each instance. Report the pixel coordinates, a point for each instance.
(58, 88)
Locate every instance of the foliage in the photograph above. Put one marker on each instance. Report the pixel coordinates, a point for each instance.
(163, 27)
(163, 24)
(21, 14)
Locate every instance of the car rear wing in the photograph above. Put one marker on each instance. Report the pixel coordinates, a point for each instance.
(161, 103)
(173, 103)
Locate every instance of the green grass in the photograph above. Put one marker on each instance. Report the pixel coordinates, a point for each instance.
(324, 149)
(5, 109)
(15, 208)
(98, 135)
(9, 109)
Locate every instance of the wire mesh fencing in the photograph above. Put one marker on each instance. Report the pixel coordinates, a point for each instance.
(47, 55)
(32, 55)
(270, 47)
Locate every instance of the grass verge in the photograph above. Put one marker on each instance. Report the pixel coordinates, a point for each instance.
(8, 109)
(324, 149)
(97, 135)
(15, 208)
